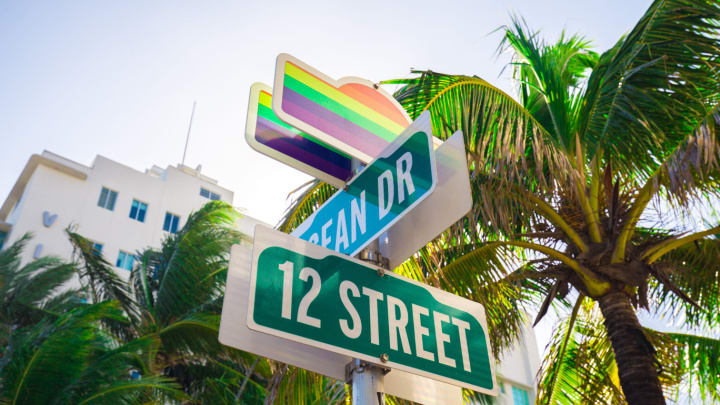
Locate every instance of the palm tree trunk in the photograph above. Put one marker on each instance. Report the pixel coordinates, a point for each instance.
(634, 355)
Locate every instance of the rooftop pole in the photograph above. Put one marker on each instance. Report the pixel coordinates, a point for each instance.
(187, 138)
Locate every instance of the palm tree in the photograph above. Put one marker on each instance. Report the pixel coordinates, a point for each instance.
(173, 300)
(53, 348)
(563, 180)
(32, 291)
(70, 360)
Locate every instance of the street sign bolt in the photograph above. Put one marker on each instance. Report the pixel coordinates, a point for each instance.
(381, 272)
(384, 357)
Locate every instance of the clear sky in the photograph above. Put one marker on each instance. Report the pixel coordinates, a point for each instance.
(118, 78)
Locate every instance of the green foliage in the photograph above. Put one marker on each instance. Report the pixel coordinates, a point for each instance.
(695, 269)
(190, 263)
(699, 359)
(565, 174)
(306, 199)
(154, 342)
(550, 77)
(655, 86)
(30, 292)
(70, 361)
(580, 365)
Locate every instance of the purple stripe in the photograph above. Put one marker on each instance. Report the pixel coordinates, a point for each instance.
(303, 150)
(332, 124)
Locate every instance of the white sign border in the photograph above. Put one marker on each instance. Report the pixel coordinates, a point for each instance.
(267, 237)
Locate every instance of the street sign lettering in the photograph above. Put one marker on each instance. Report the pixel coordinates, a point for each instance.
(350, 114)
(378, 196)
(267, 134)
(303, 292)
(234, 332)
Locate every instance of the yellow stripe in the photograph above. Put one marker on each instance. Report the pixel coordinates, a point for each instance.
(342, 98)
(265, 99)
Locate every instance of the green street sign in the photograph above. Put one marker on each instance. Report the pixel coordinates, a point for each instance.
(309, 294)
(381, 194)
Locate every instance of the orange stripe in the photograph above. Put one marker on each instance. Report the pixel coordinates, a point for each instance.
(375, 100)
(367, 96)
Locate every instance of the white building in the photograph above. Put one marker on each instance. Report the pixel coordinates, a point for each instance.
(123, 210)
(120, 209)
(517, 370)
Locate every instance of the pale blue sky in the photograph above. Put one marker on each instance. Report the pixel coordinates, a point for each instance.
(118, 78)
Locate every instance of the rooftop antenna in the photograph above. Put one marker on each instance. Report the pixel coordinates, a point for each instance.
(187, 138)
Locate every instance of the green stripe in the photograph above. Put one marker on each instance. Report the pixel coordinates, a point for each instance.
(339, 109)
(269, 115)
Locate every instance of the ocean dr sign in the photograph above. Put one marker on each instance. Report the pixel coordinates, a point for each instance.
(390, 186)
(308, 294)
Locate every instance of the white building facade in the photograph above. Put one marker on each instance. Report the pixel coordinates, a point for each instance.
(517, 370)
(120, 209)
(123, 210)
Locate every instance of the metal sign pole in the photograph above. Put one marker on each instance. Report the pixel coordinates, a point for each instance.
(368, 387)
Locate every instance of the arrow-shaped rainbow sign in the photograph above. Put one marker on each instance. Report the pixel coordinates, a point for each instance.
(265, 133)
(351, 115)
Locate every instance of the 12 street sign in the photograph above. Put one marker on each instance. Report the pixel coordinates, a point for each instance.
(350, 114)
(306, 293)
(234, 332)
(377, 197)
(267, 134)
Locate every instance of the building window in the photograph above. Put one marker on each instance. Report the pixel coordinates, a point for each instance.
(125, 260)
(107, 199)
(171, 222)
(3, 235)
(502, 387)
(138, 210)
(97, 248)
(520, 396)
(209, 194)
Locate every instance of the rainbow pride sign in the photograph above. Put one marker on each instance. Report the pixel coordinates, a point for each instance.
(265, 133)
(350, 114)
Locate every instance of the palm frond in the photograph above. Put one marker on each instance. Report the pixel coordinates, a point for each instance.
(108, 377)
(502, 139)
(476, 273)
(196, 333)
(691, 173)
(34, 290)
(306, 199)
(579, 366)
(100, 277)
(303, 387)
(695, 270)
(199, 249)
(146, 390)
(45, 358)
(698, 361)
(10, 256)
(652, 89)
(550, 76)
